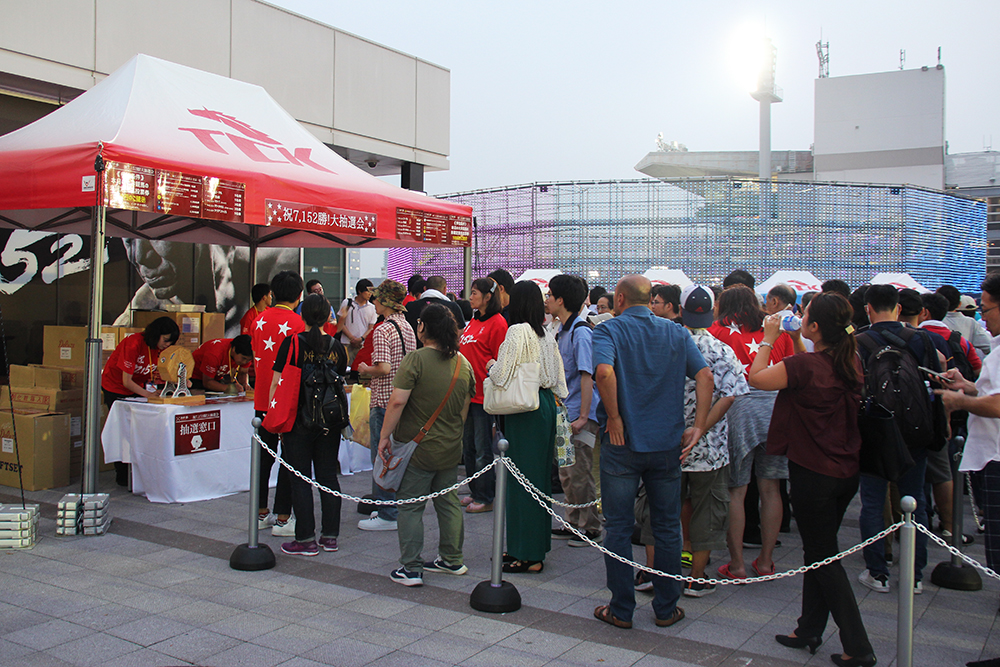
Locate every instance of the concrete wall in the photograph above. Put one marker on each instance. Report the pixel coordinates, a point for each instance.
(881, 128)
(352, 93)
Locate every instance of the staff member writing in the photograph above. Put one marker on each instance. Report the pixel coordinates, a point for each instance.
(223, 362)
(129, 371)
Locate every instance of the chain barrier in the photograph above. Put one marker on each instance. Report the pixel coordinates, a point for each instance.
(972, 500)
(536, 494)
(957, 552)
(371, 501)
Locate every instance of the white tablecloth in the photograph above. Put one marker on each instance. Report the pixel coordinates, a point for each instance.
(143, 434)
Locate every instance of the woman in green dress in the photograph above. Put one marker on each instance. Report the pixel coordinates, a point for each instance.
(531, 434)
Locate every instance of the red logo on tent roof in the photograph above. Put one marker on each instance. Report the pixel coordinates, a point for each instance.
(253, 143)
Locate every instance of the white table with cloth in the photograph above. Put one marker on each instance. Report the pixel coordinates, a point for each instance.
(186, 453)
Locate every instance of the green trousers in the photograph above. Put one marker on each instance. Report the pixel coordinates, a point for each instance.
(410, 523)
(532, 438)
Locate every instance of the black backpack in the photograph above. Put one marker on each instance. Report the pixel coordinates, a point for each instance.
(323, 401)
(893, 381)
(959, 356)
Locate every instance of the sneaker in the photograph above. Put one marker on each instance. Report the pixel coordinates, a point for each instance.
(562, 534)
(878, 582)
(309, 548)
(466, 501)
(328, 543)
(284, 528)
(439, 565)
(643, 581)
(265, 521)
(594, 535)
(918, 588)
(966, 539)
(698, 589)
(375, 522)
(407, 578)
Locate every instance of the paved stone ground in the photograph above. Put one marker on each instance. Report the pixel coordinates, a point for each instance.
(158, 591)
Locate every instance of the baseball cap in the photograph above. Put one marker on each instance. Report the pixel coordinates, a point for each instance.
(967, 304)
(696, 307)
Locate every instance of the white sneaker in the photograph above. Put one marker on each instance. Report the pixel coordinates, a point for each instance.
(284, 529)
(266, 521)
(879, 584)
(375, 522)
(918, 588)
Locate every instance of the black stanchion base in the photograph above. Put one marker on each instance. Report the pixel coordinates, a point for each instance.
(956, 577)
(252, 559)
(495, 599)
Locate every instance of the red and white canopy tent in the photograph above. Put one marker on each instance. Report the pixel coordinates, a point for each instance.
(162, 151)
(800, 281)
(899, 281)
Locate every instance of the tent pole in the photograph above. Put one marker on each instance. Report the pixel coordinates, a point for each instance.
(92, 397)
(253, 260)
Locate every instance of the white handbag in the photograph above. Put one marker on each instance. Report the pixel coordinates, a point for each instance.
(521, 393)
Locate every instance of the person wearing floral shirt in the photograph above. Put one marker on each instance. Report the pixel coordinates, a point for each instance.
(705, 471)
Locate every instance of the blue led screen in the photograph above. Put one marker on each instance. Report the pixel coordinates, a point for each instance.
(708, 227)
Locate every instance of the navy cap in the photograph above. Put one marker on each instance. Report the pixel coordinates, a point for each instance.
(696, 307)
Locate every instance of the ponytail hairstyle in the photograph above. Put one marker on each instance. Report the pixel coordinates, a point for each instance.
(488, 288)
(315, 313)
(832, 313)
(440, 327)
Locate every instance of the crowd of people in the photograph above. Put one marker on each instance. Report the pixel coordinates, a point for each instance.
(756, 398)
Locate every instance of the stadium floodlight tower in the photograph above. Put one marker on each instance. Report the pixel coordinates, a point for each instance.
(767, 94)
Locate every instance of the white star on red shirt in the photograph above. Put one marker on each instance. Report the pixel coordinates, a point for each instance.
(753, 346)
(268, 344)
(283, 329)
(260, 324)
(273, 403)
(735, 328)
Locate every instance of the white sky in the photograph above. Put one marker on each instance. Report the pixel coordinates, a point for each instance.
(553, 90)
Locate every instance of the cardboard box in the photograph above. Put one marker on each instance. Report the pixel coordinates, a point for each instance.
(42, 447)
(125, 332)
(213, 325)
(22, 376)
(191, 342)
(58, 377)
(64, 346)
(189, 323)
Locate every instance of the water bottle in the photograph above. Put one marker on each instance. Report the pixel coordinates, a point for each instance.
(791, 323)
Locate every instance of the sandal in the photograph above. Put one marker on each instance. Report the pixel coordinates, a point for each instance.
(523, 566)
(678, 615)
(603, 613)
(726, 574)
(761, 573)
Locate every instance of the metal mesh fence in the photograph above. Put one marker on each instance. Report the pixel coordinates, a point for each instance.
(708, 227)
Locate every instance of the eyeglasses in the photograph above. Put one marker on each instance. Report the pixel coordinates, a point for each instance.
(548, 295)
(983, 311)
(658, 302)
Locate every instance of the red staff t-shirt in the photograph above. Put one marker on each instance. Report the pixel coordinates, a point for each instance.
(746, 344)
(246, 324)
(480, 342)
(212, 361)
(131, 356)
(269, 329)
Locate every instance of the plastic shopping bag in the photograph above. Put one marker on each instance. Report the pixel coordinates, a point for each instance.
(360, 407)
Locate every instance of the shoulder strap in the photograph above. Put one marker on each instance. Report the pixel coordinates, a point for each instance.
(430, 422)
(399, 331)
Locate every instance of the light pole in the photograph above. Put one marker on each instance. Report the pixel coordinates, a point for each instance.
(767, 94)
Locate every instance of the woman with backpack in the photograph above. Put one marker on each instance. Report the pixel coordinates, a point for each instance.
(815, 424)
(309, 446)
(431, 394)
(531, 434)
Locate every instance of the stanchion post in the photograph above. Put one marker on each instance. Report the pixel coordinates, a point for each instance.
(907, 558)
(496, 595)
(253, 556)
(955, 574)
